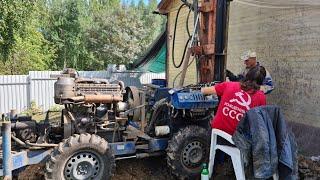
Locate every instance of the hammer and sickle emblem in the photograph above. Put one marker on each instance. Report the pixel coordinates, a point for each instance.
(242, 101)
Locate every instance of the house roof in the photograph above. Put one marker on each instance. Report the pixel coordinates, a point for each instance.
(163, 6)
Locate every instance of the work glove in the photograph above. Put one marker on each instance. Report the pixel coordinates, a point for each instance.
(229, 73)
(231, 76)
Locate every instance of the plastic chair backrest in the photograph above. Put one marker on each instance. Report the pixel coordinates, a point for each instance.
(223, 134)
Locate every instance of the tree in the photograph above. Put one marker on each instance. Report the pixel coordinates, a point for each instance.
(25, 48)
(82, 34)
(13, 15)
(119, 36)
(65, 31)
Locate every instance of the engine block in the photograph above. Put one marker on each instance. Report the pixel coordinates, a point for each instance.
(86, 88)
(68, 90)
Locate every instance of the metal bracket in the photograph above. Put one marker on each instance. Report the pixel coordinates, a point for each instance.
(207, 49)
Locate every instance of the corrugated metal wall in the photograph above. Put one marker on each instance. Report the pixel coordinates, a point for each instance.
(14, 92)
(146, 78)
(18, 91)
(41, 88)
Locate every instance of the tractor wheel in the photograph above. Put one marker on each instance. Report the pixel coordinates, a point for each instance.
(159, 116)
(187, 150)
(84, 156)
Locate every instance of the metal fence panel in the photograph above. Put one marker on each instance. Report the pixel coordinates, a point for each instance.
(94, 74)
(42, 88)
(14, 92)
(136, 78)
(146, 78)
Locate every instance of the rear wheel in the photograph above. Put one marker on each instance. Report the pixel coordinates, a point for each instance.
(187, 150)
(84, 156)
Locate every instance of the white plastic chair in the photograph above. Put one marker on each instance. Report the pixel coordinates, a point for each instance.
(233, 152)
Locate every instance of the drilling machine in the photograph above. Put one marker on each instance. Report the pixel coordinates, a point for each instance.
(103, 121)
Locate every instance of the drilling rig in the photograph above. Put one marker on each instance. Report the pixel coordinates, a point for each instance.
(103, 122)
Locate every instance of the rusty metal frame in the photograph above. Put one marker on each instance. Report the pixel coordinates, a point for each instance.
(207, 40)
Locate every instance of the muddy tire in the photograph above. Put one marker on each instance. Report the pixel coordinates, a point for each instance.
(159, 116)
(85, 156)
(187, 150)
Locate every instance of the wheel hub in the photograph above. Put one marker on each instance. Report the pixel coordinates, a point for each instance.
(192, 154)
(84, 165)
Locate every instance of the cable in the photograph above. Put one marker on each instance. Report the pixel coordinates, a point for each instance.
(187, 24)
(273, 6)
(174, 37)
(283, 4)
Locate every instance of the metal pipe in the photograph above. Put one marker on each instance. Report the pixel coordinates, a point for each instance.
(132, 109)
(17, 140)
(143, 111)
(188, 55)
(13, 114)
(21, 143)
(141, 155)
(41, 145)
(76, 99)
(145, 155)
(128, 157)
(6, 147)
(108, 98)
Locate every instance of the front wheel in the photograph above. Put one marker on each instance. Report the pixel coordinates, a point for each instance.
(187, 150)
(85, 156)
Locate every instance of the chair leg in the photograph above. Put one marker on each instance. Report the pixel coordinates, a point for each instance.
(238, 167)
(212, 153)
(276, 176)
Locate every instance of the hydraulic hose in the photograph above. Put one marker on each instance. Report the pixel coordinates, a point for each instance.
(174, 37)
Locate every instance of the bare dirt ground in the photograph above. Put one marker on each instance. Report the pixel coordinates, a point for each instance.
(130, 169)
(156, 169)
(309, 169)
(143, 169)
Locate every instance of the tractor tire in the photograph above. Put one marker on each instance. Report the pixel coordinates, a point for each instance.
(187, 150)
(159, 116)
(84, 156)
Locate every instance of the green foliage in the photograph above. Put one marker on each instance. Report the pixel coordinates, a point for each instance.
(13, 15)
(119, 36)
(82, 34)
(64, 30)
(25, 49)
(56, 108)
(32, 110)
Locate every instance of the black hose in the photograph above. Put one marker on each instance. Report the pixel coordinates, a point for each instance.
(187, 24)
(158, 108)
(174, 38)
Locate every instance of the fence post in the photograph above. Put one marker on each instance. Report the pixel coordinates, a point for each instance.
(29, 91)
(6, 146)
